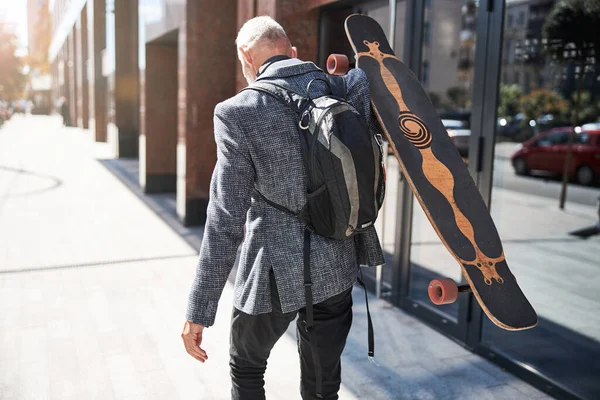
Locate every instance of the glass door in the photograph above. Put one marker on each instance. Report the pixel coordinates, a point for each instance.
(447, 69)
(334, 40)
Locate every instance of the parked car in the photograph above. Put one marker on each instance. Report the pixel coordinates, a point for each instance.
(510, 127)
(459, 133)
(547, 152)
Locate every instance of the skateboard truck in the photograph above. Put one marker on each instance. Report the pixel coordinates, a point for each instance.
(445, 291)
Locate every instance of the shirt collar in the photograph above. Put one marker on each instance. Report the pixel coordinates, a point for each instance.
(270, 62)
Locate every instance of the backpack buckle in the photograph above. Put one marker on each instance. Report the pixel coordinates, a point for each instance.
(301, 124)
(379, 140)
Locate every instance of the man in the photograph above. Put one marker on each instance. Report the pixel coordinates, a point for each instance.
(258, 149)
(64, 111)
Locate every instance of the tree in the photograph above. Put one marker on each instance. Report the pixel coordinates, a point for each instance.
(38, 59)
(12, 79)
(572, 36)
(588, 110)
(510, 96)
(540, 102)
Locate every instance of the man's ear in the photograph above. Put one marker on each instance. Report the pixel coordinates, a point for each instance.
(246, 56)
(294, 52)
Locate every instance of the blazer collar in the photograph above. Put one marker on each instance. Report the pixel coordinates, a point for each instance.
(287, 67)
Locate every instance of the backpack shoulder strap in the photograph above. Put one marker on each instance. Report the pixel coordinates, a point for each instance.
(284, 95)
(338, 86)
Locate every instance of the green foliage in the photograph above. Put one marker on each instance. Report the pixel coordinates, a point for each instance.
(588, 110)
(510, 96)
(12, 80)
(540, 102)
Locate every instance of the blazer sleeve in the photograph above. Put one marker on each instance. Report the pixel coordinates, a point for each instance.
(231, 187)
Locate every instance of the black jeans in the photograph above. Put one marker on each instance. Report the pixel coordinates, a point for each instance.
(253, 337)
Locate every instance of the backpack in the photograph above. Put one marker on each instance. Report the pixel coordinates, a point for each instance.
(346, 178)
(343, 160)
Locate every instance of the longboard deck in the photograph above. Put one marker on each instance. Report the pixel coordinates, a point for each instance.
(438, 176)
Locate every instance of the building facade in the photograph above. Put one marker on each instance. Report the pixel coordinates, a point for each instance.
(145, 76)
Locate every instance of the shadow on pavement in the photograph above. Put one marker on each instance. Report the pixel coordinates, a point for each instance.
(556, 351)
(54, 182)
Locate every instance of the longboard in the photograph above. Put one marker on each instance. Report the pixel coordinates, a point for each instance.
(439, 179)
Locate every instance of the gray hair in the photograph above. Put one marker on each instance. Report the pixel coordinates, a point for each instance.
(260, 29)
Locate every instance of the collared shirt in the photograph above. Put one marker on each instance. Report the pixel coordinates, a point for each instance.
(270, 62)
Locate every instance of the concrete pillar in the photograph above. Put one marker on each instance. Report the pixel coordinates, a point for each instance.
(126, 90)
(54, 83)
(83, 110)
(71, 84)
(63, 72)
(78, 73)
(209, 62)
(301, 25)
(72, 42)
(158, 119)
(96, 10)
(245, 11)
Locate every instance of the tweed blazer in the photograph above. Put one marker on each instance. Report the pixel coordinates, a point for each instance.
(258, 148)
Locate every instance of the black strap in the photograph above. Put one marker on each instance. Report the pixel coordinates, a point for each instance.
(338, 86)
(273, 204)
(295, 101)
(309, 322)
(371, 334)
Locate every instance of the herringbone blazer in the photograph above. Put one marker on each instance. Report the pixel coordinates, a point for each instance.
(258, 148)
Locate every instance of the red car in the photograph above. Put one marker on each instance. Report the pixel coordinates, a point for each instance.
(547, 152)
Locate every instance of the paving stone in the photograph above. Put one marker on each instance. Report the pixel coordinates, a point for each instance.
(123, 376)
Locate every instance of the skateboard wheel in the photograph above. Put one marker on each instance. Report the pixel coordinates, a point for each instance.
(442, 291)
(338, 64)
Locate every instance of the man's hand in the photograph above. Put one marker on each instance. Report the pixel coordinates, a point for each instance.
(192, 338)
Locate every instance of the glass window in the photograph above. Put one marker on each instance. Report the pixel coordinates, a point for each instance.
(425, 73)
(447, 74)
(582, 138)
(335, 41)
(553, 139)
(510, 48)
(426, 33)
(555, 268)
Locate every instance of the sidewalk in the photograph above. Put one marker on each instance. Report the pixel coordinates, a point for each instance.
(93, 287)
(505, 150)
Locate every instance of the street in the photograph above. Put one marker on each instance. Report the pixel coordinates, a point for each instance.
(539, 184)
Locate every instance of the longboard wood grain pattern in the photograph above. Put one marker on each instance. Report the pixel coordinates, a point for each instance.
(438, 177)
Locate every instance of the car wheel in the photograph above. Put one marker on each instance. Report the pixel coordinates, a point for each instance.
(520, 166)
(585, 175)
